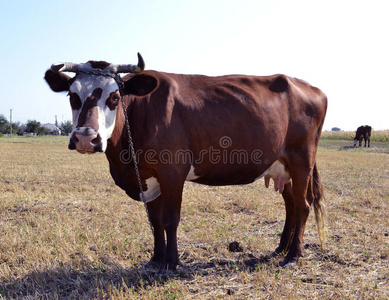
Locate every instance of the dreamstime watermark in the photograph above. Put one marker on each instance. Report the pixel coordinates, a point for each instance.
(223, 154)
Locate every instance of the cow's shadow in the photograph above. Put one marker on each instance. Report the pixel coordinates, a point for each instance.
(348, 148)
(65, 282)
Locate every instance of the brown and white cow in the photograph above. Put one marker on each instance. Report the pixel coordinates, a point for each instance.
(226, 130)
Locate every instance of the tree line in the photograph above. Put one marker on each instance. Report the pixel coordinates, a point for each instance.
(32, 126)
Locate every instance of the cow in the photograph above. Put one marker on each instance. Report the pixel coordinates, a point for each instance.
(223, 130)
(363, 132)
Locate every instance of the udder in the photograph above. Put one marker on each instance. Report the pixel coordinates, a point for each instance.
(279, 174)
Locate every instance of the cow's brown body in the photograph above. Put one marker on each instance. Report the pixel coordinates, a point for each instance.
(231, 129)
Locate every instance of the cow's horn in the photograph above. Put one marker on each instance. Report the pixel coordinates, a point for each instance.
(132, 68)
(64, 67)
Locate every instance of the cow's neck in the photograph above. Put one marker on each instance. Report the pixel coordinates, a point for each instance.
(120, 162)
(119, 140)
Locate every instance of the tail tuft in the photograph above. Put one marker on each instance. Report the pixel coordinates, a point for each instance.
(318, 205)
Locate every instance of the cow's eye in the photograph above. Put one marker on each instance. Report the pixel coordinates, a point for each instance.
(112, 101)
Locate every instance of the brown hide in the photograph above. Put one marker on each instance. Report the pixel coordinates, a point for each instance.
(276, 118)
(223, 130)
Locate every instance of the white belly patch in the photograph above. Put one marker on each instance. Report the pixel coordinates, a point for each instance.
(191, 174)
(153, 189)
(280, 176)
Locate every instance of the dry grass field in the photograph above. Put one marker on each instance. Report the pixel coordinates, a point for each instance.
(67, 232)
(376, 135)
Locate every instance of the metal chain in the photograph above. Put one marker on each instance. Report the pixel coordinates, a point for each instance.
(98, 73)
(120, 84)
(133, 154)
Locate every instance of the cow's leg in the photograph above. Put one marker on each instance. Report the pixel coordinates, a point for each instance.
(368, 142)
(155, 216)
(290, 221)
(171, 192)
(360, 141)
(164, 213)
(301, 176)
(171, 219)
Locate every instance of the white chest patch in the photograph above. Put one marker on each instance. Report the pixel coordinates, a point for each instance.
(191, 174)
(153, 189)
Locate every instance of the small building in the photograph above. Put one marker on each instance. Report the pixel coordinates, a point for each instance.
(52, 129)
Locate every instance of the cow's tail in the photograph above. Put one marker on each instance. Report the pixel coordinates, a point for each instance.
(318, 205)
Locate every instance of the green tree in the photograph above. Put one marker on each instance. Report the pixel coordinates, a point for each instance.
(17, 128)
(32, 126)
(4, 124)
(35, 127)
(66, 127)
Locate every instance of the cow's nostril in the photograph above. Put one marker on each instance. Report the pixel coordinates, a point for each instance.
(72, 145)
(73, 142)
(96, 140)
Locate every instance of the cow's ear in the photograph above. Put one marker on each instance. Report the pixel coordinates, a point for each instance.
(58, 82)
(140, 85)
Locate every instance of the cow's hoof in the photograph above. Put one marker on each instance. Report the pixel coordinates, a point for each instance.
(170, 267)
(275, 254)
(161, 266)
(289, 263)
(173, 267)
(153, 265)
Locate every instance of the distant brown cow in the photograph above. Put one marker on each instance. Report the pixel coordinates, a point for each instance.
(363, 132)
(226, 130)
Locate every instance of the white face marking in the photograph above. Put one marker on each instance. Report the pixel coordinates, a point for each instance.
(84, 86)
(191, 174)
(153, 189)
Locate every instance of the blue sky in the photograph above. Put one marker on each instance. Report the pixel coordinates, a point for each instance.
(339, 46)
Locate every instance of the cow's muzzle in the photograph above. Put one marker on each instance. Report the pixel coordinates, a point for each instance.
(85, 140)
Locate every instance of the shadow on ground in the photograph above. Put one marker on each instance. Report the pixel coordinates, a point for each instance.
(91, 283)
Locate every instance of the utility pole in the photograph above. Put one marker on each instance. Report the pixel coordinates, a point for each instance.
(10, 122)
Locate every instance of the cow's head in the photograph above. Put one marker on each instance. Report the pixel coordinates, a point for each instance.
(355, 142)
(94, 97)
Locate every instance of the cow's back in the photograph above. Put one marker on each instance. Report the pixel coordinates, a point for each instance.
(240, 123)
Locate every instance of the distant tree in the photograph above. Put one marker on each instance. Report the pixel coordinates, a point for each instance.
(335, 129)
(35, 127)
(18, 128)
(32, 126)
(4, 124)
(66, 127)
(43, 130)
